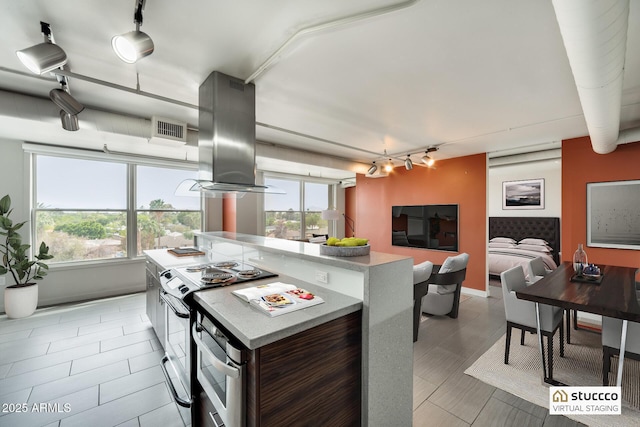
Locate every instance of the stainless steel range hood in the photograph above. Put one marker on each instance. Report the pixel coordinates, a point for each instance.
(226, 139)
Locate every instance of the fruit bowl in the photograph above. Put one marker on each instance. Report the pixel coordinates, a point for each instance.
(344, 250)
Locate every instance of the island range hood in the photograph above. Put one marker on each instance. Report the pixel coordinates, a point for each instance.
(226, 140)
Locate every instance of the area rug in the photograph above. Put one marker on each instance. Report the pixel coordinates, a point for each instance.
(581, 366)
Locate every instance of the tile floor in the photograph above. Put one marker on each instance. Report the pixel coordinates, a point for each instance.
(97, 364)
(94, 364)
(443, 395)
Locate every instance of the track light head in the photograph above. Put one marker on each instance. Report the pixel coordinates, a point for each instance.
(372, 169)
(427, 160)
(69, 121)
(64, 100)
(43, 57)
(408, 164)
(388, 167)
(134, 45)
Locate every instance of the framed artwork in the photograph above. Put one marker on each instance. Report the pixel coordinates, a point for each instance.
(613, 214)
(525, 194)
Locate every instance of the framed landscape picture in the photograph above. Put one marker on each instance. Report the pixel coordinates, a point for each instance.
(526, 194)
(613, 214)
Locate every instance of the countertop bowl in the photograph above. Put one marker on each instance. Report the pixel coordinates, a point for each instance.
(344, 250)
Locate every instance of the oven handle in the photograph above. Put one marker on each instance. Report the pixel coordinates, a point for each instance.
(227, 370)
(173, 308)
(180, 401)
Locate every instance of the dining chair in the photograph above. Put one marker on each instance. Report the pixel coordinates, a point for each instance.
(521, 314)
(537, 270)
(611, 332)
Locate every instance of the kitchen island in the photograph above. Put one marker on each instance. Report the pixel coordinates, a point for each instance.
(384, 285)
(368, 299)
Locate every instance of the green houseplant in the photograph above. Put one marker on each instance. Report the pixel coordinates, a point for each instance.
(21, 298)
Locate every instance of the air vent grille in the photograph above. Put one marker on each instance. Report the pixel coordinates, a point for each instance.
(168, 129)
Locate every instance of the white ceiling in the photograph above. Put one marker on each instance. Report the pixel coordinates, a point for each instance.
(470, 76)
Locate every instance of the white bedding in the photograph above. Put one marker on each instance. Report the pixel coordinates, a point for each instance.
(502, 259)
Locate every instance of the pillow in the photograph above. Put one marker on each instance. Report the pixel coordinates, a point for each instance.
(422, 271)
(537, 248)
(501, 245)
(454, 263)
(502, 240)
(531, 241)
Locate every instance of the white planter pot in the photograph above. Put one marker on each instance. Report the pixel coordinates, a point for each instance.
(20, 302)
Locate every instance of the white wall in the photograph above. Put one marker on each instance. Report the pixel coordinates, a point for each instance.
(71, 283)
(549, 170)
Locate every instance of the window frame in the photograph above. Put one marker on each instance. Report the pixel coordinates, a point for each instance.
(331, 196)
(131, 211)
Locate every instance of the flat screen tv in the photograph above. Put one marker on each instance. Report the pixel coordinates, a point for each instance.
(425, 226)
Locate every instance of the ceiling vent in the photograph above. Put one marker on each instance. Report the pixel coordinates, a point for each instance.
(167, 132)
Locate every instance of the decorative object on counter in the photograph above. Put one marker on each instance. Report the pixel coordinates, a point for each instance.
(590, 274)
(278, 298)
(21, 298)
(349, 246)
(579, 260)
(185, 252)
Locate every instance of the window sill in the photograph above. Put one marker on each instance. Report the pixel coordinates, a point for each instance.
(79, 265)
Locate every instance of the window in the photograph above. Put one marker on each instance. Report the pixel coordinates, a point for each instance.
(297, 214)
(85, 209)
(164, 220)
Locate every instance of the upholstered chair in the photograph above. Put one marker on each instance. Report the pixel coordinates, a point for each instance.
(421, 274)
(521, 314)
(611, 332)
(443, 296)
(538, 270)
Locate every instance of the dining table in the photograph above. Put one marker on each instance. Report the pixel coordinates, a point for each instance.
(611, 294)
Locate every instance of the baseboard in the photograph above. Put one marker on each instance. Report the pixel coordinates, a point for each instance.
(474, 292)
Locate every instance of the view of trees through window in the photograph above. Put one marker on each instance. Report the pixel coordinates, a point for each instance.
(296, 214)
(82, 211)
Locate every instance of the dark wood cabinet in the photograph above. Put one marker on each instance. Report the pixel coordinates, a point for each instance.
(311, 378)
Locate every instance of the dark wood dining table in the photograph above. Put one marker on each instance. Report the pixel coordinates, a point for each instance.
(615, 296)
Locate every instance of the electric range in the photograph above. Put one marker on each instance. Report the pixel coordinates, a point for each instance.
(181, 282)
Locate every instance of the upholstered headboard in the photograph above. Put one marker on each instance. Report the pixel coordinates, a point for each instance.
(518, 228)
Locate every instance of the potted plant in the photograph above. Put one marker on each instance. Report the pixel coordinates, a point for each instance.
(21, 298)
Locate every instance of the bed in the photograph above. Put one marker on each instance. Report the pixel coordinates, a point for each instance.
(519, 228)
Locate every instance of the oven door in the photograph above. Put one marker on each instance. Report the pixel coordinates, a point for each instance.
(221, 377)
(176, 345)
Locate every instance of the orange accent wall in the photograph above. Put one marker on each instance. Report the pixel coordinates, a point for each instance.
(581, 165)
(461, 181)
(350, 210)
(229, 214)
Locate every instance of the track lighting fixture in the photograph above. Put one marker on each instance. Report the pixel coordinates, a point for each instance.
(43, 57)
(134, 45)
(408, 164)
(372, 169)
(388, 167)
(69, 121)
(63, 99)
(428, 160)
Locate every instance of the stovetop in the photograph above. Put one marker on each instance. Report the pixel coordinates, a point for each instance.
(183, 281)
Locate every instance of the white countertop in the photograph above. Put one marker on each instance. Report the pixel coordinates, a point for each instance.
(250, 326)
